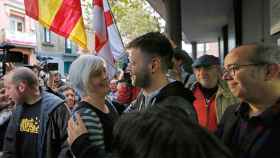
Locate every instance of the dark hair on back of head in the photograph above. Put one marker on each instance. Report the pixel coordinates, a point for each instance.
(154, 43)
(164, 132)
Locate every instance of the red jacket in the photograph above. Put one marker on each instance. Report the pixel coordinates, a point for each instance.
(126, 94)
(206, 113)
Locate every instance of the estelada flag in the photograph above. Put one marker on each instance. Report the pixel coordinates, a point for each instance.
(63, 17)
(108, 43)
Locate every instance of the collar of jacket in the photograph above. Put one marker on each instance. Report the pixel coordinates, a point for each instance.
(222, 88)
(175, 88)
(270, 117)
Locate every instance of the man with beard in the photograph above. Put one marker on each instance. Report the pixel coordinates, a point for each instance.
(212, 95)
(150, 56)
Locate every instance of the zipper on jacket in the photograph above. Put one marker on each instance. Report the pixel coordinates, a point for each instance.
(207, 111)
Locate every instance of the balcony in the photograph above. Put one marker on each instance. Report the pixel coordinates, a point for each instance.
(25, 39)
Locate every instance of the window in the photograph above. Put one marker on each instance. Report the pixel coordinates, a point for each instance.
(16, 23)
(67, 65)
(68, 46)
(20, 27)
(47, 35)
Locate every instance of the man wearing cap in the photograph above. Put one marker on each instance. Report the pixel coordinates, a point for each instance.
(212, 95)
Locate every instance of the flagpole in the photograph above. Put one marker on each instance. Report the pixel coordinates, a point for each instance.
(108, 42)
(114, 20)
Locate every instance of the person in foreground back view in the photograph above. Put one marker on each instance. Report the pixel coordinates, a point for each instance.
(158, 132)
(164, 132)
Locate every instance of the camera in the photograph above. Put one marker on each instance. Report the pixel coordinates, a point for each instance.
(47, 66)
(12, 56)
(50, 67)
(8, 56)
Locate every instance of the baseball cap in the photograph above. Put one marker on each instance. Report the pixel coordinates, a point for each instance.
(206, 60)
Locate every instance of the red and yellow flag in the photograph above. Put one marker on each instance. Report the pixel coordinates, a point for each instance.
(63, 17)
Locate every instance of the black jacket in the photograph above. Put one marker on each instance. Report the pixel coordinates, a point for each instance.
(257, 144)
(174, 94)
(52, 137)
(82, 147)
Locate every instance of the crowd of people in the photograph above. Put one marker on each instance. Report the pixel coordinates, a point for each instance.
(161, 104)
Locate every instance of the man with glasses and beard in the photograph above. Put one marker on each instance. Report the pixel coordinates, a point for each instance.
(251, 129)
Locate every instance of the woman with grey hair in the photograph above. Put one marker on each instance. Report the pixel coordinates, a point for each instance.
(88, 76)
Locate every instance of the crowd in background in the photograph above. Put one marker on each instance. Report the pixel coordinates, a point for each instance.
(160, 104)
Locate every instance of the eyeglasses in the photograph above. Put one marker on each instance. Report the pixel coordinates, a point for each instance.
(235, 67)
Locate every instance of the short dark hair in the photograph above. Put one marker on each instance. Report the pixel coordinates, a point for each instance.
(187, 61)
(165, 132)
(154, 43)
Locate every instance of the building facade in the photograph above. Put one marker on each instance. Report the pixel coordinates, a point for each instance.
(17, 29)
(32, 39)
(55, 49)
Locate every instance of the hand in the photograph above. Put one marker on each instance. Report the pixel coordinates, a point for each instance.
(75, 129)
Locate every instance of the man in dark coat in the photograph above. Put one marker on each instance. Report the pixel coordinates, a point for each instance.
(37, 127)
(149, 59)
(251, 129)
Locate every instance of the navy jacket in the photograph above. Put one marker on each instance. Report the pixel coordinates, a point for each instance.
(52, 141)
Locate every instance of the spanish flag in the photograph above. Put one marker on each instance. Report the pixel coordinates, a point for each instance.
(63, 17)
